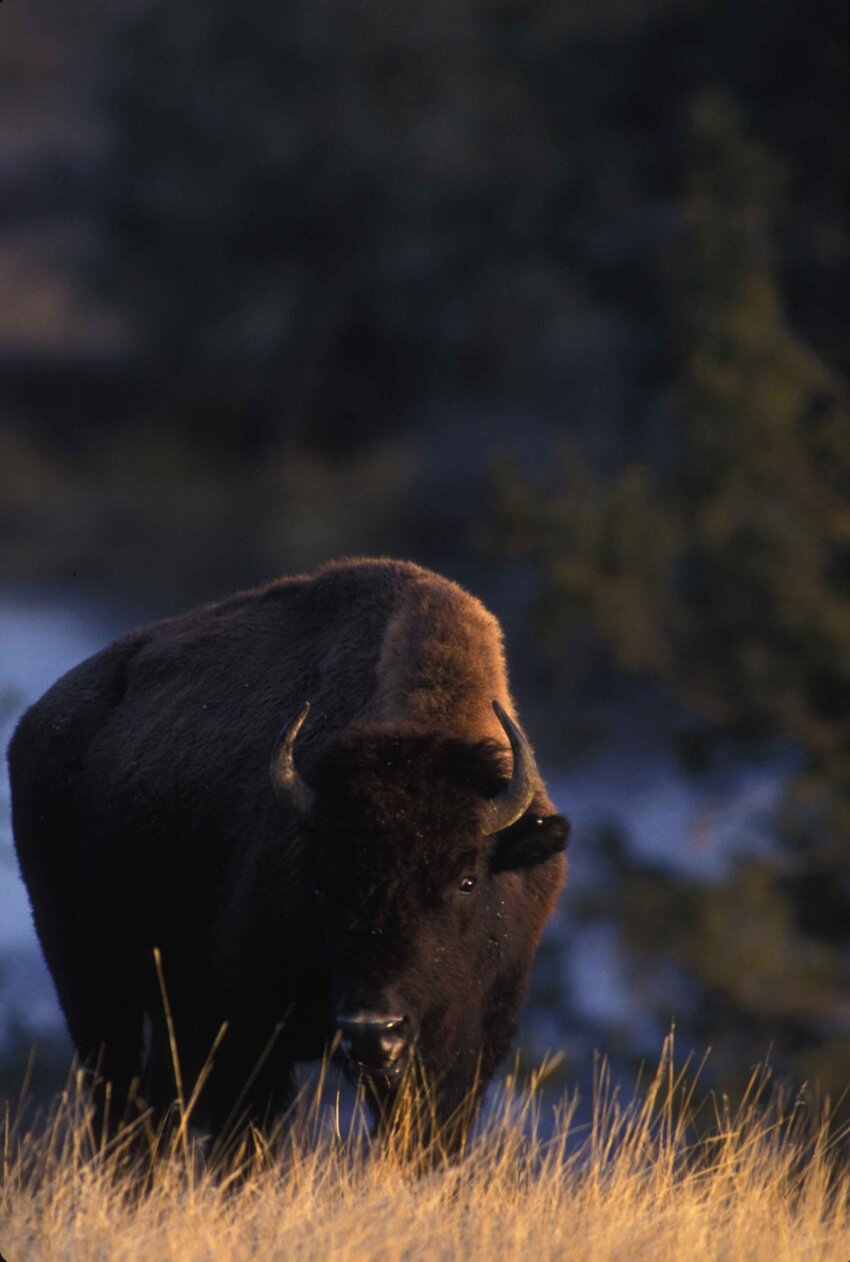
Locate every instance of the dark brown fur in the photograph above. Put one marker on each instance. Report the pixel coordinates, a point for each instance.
(144, 816)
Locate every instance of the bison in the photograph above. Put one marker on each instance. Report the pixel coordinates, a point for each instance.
(384, 889)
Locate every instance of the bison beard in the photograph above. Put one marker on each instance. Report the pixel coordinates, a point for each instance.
(387, 897)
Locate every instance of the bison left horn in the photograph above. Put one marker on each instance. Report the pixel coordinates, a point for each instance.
(288, 785)
(514, 800)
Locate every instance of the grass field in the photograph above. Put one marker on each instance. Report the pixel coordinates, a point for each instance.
(634, 1185)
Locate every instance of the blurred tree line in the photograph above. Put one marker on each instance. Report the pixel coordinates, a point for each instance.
(554, 294)
(359, 252)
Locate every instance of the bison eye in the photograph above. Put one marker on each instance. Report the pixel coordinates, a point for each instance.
(466, 884)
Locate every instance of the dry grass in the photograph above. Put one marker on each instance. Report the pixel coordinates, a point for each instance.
(634, 1186)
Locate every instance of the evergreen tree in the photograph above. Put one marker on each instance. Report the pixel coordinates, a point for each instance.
(720, 565)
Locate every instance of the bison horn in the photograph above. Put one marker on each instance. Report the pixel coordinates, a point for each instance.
(506, 807)
(288, 785)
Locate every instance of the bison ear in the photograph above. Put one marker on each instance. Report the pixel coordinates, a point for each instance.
(531, 840)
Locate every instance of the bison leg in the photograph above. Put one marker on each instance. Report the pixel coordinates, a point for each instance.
(81, 940)
(104, 1019)
(249, 1086)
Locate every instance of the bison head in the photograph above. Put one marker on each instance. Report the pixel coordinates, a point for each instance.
(435, 867)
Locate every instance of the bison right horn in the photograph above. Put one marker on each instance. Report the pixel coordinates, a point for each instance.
(514, 800)
(289, 787)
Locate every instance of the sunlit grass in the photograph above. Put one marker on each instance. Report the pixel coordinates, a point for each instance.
(757, 1183)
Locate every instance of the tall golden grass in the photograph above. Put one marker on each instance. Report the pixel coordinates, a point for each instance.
(758, 1182)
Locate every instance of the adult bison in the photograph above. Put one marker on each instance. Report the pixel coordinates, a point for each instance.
(389, 881)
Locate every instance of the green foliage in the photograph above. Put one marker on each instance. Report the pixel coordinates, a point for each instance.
(723, 569)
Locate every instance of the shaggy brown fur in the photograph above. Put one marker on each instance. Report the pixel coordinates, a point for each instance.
(144, 816)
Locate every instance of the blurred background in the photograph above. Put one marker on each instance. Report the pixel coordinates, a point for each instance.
(551, 297)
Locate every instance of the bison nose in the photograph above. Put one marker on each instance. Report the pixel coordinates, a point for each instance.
(373, 1040)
